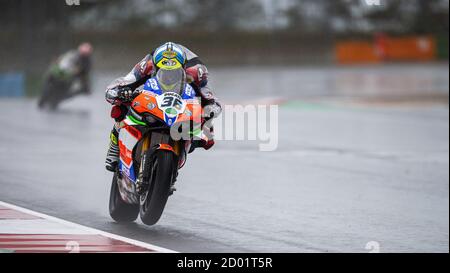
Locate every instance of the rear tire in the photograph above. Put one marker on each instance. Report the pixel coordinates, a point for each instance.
(152, 207)
(41, 103)
(119, 210)
(46, 93)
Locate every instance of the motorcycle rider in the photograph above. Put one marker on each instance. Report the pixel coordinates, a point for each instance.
(122, 90)
(70, 68)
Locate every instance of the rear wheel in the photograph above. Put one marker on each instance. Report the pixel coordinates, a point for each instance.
(118, 209)
(155, 199)
(44, 97)
(41, 103)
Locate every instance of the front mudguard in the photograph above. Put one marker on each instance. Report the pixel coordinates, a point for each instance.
(154, 147)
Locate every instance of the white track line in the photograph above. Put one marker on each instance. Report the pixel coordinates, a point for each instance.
(88, 229)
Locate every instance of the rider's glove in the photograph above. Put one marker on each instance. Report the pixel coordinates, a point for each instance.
(120, 94)
(126, 94)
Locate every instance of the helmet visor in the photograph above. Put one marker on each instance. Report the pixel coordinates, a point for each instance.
(171, 80)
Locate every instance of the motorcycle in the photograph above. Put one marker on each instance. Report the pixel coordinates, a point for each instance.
(56, 91)
(150, 154)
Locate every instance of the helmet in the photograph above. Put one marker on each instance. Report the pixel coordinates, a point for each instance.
(85, 49)
(171, 80)
(169, 56)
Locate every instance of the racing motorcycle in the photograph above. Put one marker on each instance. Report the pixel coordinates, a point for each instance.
(57, 89)
(151, 149)
(53, 93)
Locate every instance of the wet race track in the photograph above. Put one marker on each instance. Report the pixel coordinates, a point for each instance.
(345, 173)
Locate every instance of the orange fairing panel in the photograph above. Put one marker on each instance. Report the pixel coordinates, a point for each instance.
(146, 103)
(193, 112)
(167, 147)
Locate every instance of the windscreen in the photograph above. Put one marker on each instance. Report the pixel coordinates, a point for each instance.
(171, 80)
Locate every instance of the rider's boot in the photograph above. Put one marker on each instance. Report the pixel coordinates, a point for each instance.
(112, 157)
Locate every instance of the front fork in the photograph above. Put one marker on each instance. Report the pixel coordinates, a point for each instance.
(140, 186)
(160, 143)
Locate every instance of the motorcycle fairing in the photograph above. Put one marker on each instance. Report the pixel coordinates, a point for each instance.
(128, 138)
(153, 102)
(150, 102)
(152, 86)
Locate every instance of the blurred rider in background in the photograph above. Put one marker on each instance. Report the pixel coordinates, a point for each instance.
(119, 93)
(68, 76)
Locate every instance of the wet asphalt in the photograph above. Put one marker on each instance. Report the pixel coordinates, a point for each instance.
(344, 173)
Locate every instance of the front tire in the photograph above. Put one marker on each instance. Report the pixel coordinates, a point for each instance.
(119, 210)
(154, 201)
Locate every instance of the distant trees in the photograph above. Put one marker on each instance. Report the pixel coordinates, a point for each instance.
(395, 16)
(224, 15)
(300, 16)
(209, 15)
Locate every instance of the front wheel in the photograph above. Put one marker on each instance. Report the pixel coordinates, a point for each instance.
(154, 200)
(118, 209)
